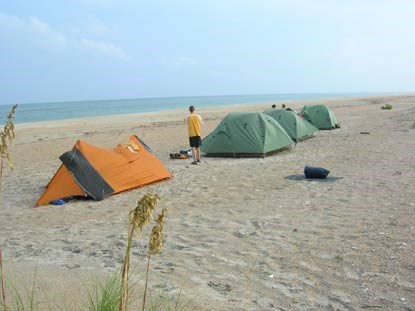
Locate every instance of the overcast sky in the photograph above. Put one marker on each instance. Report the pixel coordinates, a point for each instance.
(61, 50)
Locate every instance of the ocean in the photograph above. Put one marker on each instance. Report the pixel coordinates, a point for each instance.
(35, 112)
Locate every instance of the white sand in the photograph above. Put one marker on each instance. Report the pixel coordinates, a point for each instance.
(241, 234)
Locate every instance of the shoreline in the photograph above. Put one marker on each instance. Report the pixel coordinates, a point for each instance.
(166, 115)
(78, 120)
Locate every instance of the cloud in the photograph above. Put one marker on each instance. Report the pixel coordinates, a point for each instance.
(104, 48)
(37, 32)
(45, 33)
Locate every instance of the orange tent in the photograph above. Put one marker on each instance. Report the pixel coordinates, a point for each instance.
(98, 173)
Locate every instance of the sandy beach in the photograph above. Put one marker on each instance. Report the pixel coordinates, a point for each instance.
(241, 234)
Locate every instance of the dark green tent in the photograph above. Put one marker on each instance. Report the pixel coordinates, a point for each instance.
(320, 116)
(296, 127)
(246, 134)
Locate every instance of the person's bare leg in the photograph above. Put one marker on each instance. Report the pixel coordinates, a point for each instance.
(198, 154)
(194, 154)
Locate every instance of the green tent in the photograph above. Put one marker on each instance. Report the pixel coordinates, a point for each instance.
(296, 127)
(246, 134)
(320, 116)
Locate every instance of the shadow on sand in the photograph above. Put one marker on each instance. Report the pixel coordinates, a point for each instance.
(302, 177)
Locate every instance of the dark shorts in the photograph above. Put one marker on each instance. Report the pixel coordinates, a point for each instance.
(195, 141)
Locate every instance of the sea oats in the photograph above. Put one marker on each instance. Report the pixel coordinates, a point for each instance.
(156, 237)
(155, 245)
(142, 213)
(138, 218)
(7, 137)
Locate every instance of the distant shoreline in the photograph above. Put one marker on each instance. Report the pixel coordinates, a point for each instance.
(177, 114)
(40, 112)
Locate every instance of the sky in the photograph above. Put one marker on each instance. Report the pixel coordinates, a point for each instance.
(67, 50)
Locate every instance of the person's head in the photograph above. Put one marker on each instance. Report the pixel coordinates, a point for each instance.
(192, 109)
(283, 105)
(273, 106)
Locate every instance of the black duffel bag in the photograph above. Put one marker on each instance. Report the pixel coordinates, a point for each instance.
(315, 172)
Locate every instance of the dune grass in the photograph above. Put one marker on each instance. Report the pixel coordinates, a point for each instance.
(140, 216)
(7, 137)
(105, 295)
(386, 107)
(24, 300)
(112, 294)
(3, 302)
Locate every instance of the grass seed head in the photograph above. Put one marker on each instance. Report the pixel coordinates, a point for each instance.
(142, 213)
(7, 137)
(156, 237)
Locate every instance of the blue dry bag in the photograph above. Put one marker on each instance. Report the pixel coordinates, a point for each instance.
(58, 202)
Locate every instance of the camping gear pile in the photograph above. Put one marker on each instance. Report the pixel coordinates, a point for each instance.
(182, 154)
(259, 134)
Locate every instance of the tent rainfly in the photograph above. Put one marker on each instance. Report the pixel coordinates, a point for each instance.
(296, 127)
(320, 116)
(89, 171)
(246, 134)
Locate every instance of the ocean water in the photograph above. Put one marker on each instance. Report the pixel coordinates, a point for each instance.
(35, 112)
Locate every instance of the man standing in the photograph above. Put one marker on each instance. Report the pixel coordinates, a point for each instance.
(194, 122)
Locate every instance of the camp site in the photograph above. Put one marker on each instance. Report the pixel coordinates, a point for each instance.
(245, 230)
(207, 155)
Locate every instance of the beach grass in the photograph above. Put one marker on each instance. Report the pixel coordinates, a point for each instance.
(113, 293)
(24, 300)
(140, 216)
(386, 107)
(7, 137)
(105, 295)
(165, 302)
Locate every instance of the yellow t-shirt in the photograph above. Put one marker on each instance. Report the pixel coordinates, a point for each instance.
(193, 124)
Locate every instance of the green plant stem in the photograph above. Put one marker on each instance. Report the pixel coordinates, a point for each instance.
(3, 292)
(178, 298)
(145, 286)
(1, 171)
(124, 273)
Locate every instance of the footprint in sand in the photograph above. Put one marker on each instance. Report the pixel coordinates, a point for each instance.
(245, 232)
(223, 289)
